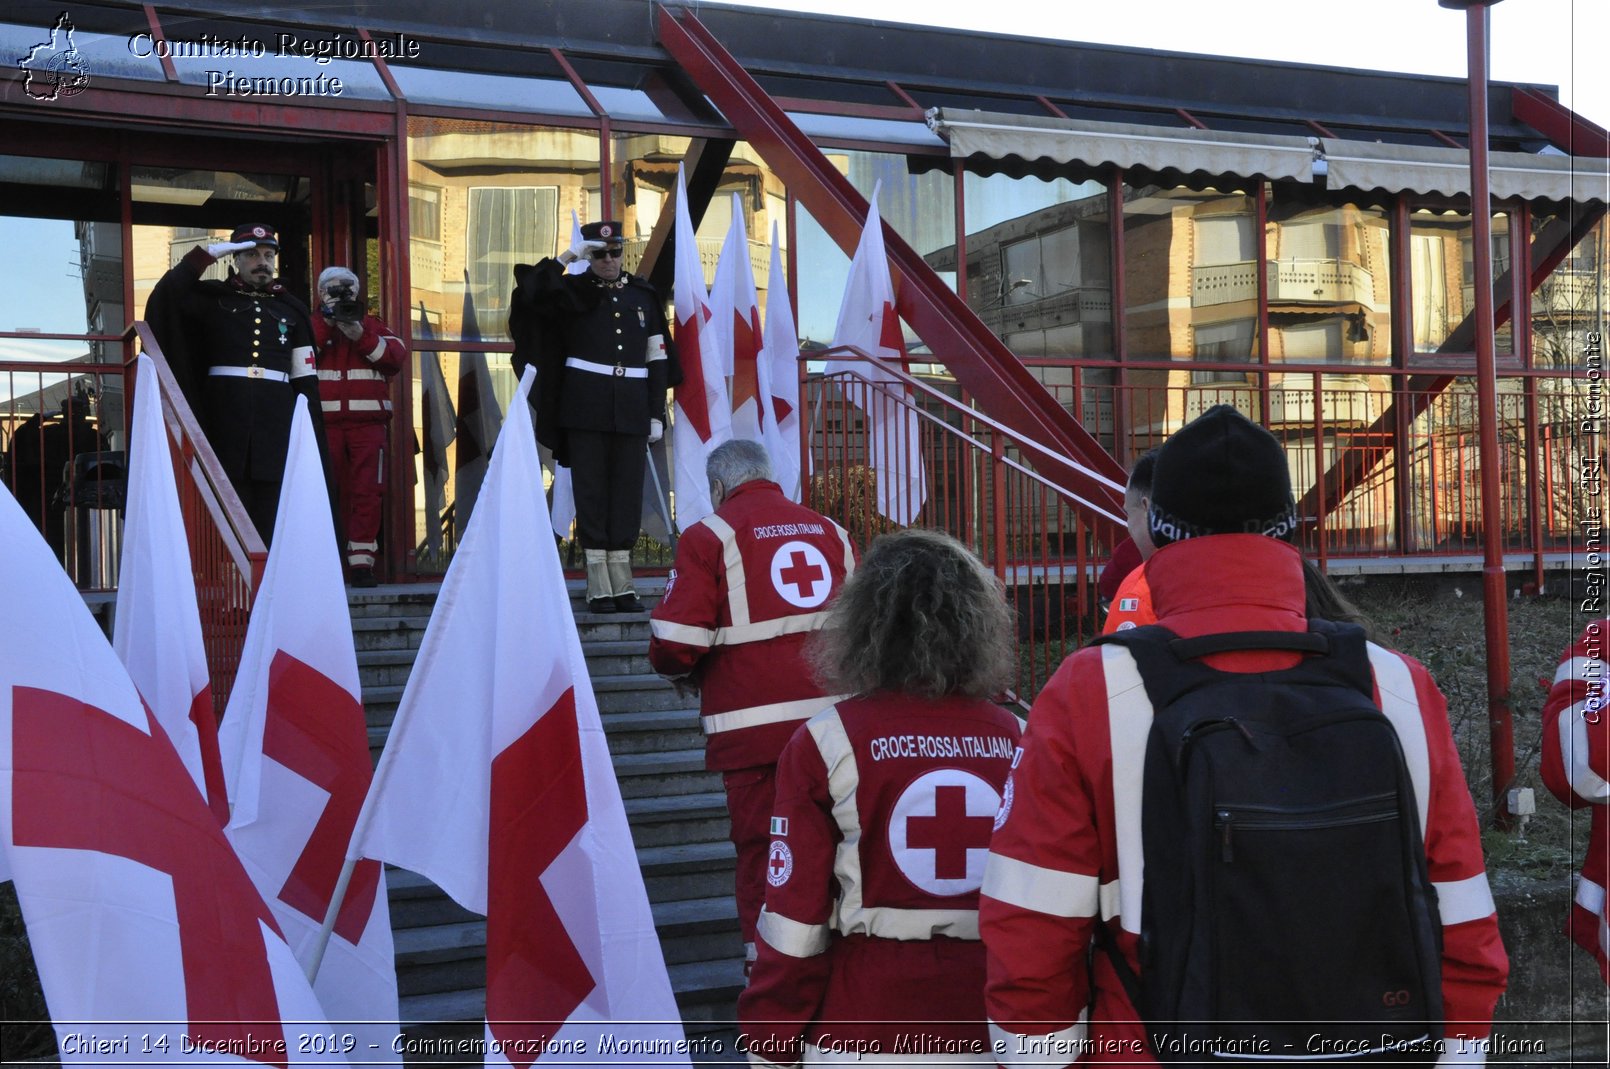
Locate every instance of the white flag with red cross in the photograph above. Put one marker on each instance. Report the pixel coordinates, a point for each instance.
(702, 417)
(868, 321)
(736, 307)
(157, 629)
(496, 783)
(296, 757)
(152, 943)
(778, 375)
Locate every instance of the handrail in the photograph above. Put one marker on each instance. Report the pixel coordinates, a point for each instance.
(1017, 438)
(1030, 530)
(227, 555)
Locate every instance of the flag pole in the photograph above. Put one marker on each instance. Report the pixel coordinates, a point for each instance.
(365, 814)
(330, 915)
(659, 493)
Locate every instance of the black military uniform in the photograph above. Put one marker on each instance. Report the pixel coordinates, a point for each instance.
(604, 362)
(241, 355)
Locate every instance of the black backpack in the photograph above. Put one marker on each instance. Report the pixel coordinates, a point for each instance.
(1287, 915)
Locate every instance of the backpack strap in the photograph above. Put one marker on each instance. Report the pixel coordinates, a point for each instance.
(1171, 665)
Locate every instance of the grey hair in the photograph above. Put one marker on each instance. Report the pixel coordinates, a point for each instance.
(920, 616)
(330, 274)
(735, 462)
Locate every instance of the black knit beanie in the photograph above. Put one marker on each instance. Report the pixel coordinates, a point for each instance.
(1221, 474)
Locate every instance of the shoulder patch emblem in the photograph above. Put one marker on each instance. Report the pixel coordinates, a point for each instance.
(779, 864)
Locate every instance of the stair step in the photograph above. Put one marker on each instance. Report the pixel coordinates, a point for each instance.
(678, 818)
(655, 729)
(715, 984)
(664, 772)
(637, 692)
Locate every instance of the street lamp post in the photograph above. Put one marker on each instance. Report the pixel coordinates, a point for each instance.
(1495, 607)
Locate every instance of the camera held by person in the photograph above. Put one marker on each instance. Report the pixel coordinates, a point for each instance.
(341, 303)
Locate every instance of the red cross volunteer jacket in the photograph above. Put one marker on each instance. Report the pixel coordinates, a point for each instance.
(1576, 766)
(868, 944)
(1065, 854)
(353, 374)
(751, 581)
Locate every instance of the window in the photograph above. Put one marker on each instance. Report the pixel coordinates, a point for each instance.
(1220, 343)
(425, 213)
(1224, 239)
(507, 225)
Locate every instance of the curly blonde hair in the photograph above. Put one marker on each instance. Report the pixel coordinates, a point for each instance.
(920, 616)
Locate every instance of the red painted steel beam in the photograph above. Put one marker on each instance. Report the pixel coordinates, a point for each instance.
(1357, 463)
(1562, 126)
(1495, 601)
(982, 364)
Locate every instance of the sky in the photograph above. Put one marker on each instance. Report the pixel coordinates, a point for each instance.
(1552, 42)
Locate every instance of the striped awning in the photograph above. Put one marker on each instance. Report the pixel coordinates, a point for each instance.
(1026, 143)
(1371, 165)
(1032, 139)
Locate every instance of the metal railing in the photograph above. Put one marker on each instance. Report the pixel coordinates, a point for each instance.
(978, 485)
(61, 428)
(1420, 491)
(227, 555)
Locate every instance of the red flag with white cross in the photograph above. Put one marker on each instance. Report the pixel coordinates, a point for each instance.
(152, 943)
(296, 758)
(496, 783)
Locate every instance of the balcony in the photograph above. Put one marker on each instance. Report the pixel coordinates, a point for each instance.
(1290, 282)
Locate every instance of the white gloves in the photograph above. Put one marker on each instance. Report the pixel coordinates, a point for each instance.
(226, 248)
(656, 431)
(579, 250)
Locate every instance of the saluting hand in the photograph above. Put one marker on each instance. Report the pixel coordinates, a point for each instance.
(225, 248)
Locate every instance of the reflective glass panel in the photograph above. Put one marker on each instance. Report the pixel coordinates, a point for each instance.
(1039, 263)
(1190, 273)
(920, 207)
(1441, 281)
(484, 197)
(644, 191)
(504, 92)
(1330, 283)
(1573, 302)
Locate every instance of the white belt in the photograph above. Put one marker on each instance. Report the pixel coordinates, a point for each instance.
(358, 406)
(351, 375)
(607, 369)
(250, 373)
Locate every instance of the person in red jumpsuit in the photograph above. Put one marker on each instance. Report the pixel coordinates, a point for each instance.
(1576, 768)
(752, 581)
(868, 944)
(356, 355)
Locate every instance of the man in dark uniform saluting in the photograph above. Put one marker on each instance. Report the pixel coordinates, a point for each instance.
(602, 352)
(242, 349)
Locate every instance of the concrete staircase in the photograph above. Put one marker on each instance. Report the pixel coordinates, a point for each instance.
(676, 809)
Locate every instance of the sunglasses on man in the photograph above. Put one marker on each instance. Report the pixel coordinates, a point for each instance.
(606, 254)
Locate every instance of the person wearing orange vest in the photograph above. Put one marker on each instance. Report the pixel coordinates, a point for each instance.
(752, 580)
(1132, 604)
(356, 354)
(868, 944)
(1576, 769)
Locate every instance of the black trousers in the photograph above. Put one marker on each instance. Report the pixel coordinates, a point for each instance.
(607, 474)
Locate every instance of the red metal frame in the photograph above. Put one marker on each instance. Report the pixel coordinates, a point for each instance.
(980, 361)
(1564, 127)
